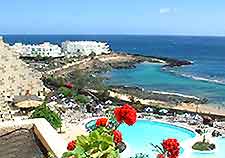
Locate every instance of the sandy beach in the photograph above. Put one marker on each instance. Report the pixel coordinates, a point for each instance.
(191, 107)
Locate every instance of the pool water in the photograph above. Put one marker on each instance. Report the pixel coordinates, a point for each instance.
(220, 151)
(144, 132)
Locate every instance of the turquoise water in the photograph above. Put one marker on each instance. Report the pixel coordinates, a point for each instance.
(150, 76)
(140, 136)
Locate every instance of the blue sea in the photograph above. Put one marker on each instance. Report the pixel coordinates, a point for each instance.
(205, 78)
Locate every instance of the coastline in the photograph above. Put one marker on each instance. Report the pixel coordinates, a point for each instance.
(107, 62)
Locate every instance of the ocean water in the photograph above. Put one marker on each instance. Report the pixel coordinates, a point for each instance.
(151, 77)
(205, 78)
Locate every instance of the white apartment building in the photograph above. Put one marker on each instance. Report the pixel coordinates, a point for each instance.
(44, 50)
(84, 48)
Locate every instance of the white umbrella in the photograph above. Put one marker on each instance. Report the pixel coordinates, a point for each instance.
(186, 115)
(198, 117)
(148, 109)
(163, 111)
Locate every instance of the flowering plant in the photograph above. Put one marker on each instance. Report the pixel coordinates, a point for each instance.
(170, 149)
(105, 140)
(69, 85)
(125, 114)
(102, 122)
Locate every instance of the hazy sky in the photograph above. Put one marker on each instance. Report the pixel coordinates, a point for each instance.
(179, 17)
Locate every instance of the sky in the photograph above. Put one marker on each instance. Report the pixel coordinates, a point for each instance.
(158, 17)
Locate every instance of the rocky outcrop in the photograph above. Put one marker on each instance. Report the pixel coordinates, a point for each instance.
(169, 62)
(123, 65)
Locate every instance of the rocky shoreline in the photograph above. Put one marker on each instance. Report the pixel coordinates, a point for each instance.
(168, 62)
(164, 97)
(122, 60)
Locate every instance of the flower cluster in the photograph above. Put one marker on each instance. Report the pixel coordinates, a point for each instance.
(101, 122)
(126, 114)
(71, 145)
(172, 147)
(117, 136)
(69, 85)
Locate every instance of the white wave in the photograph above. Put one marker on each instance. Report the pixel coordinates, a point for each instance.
(196, 77)
(203, 79)
(176, 94)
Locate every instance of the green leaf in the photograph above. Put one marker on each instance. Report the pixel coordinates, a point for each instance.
(103, 146)
(82, 141)
(94, 135)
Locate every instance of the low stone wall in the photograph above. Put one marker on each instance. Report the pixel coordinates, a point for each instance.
(49, 138)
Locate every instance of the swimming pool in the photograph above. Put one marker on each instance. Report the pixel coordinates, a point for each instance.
(144, 132)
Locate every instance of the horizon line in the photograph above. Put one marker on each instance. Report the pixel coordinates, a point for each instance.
(92, 34)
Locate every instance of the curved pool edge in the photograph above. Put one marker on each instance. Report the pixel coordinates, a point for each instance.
(186, 145)
(85, 121)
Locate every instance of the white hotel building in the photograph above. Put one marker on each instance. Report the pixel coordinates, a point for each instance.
(44, 50)
(84, 48)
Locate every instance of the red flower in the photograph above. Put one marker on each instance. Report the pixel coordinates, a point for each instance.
(101, 122)
(172, 147)
(71, 145)
(160, 156)
(69, 85)
(126, 114)
(117, 136)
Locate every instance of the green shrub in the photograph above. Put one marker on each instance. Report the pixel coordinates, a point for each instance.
(66, 91)
(54, 81)
(85, 80)
(81, 99)
(44, 111)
